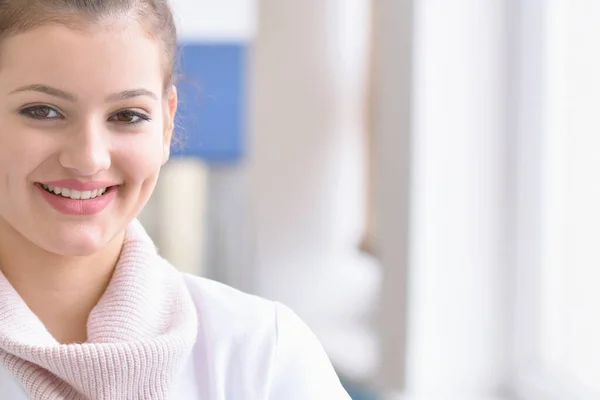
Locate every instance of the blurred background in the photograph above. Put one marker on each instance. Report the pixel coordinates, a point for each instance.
(417, 179)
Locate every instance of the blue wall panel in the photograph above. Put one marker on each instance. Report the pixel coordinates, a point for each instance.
(212, 93)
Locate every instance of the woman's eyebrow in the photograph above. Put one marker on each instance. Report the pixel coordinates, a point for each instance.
(51, 91)
(46, 90)
(128, 94)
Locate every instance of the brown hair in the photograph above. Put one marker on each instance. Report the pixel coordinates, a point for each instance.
(17, 16)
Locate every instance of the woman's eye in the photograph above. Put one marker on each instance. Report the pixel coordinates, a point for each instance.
(41, 112)
(129, 117)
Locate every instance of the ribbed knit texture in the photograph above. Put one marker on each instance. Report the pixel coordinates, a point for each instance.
(140, 334)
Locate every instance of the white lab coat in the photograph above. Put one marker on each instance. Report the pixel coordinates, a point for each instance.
(248, 348)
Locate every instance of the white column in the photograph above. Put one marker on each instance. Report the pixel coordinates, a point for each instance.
(183, 206)
(458, 296)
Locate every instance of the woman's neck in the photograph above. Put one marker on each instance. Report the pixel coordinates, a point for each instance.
(61, 291)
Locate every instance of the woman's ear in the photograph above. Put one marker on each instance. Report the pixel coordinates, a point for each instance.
(170, 113)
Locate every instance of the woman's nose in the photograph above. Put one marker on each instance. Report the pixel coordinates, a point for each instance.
(86, 151)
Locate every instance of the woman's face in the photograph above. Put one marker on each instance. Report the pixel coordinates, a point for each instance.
(82, 115)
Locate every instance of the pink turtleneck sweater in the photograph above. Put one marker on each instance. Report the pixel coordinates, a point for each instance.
(159, 334)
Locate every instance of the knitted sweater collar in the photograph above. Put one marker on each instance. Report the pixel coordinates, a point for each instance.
(139, 334)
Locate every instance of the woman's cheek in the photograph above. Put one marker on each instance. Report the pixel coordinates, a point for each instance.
(139, 161)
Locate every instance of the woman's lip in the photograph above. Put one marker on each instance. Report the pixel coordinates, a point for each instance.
(81, 207)
(74, 184)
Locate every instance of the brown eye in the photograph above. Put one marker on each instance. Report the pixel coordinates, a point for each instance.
(129, 117)
(41, 112)
(126, 116)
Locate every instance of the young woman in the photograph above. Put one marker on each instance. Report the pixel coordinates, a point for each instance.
(88, 309)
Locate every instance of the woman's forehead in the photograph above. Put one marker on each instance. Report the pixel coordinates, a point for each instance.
(108, 60)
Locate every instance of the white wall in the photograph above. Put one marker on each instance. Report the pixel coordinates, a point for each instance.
(306, 170)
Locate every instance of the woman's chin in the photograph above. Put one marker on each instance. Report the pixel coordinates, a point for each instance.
(77, 243)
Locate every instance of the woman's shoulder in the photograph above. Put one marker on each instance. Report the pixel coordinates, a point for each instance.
(227, 311)
(209, 295)
(228, 315)
(260, 340)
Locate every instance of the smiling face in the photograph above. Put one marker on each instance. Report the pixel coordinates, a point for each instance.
(84, 115)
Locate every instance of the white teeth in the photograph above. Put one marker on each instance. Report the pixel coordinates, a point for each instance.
(75, 194)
